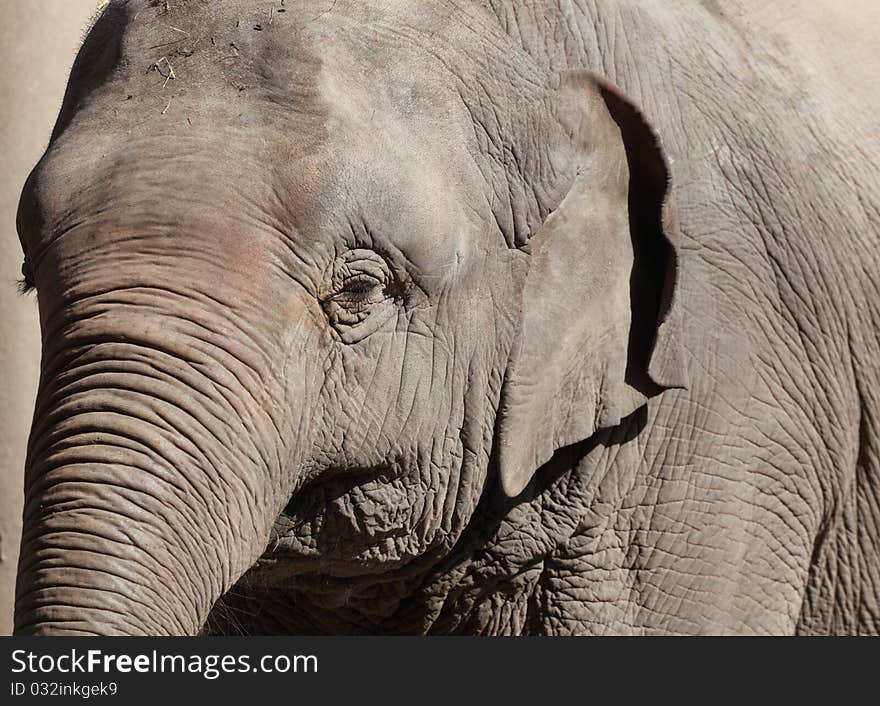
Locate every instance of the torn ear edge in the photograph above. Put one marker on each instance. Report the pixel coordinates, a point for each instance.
(652, 209)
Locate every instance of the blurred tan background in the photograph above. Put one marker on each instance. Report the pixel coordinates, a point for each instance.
(38, 42)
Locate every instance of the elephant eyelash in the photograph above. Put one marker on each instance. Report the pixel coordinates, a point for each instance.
(359, 286)
(357, 290)
(26, 283)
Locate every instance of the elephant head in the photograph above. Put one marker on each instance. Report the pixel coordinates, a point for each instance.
(321, 284)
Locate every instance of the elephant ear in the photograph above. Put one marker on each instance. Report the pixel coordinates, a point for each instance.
(600, 330)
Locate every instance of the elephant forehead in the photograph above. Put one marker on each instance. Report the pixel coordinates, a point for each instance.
(265, 49)
(331, 116)
(405, 174)
(241, 57)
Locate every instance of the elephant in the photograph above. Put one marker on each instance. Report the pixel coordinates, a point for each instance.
(450, 317)
(39, 42)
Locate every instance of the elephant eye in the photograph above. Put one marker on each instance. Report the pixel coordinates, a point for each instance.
(362, 294)
(359, 287)
(26, 283)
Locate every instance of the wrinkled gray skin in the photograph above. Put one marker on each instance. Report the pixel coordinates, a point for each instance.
(378, 319)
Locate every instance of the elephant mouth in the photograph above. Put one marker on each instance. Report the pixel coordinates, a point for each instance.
(327, 487)
(342, 524)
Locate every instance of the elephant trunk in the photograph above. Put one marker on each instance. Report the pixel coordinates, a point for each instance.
(151, 482)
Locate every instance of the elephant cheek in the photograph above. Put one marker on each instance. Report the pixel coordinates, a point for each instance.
(148, 493)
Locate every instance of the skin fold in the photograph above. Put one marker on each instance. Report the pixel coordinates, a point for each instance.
(456, 318)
